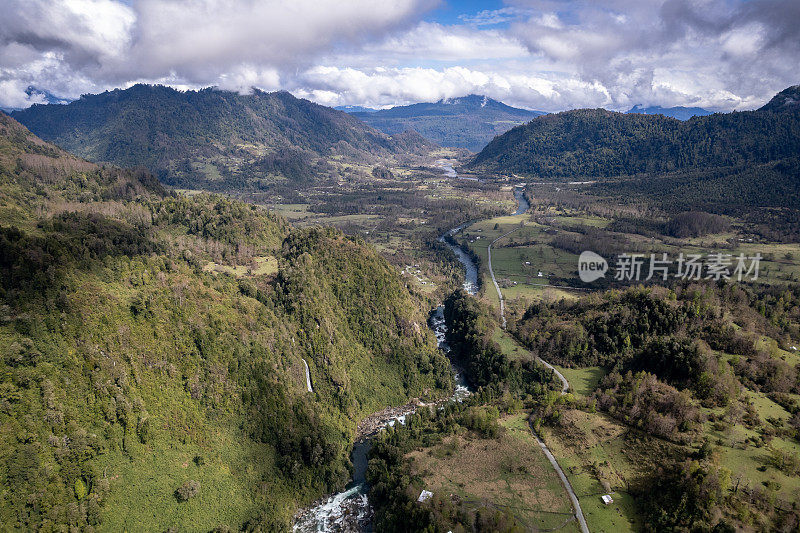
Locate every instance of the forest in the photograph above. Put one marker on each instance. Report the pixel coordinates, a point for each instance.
(138, 388)
(213, 139)
(595, 143)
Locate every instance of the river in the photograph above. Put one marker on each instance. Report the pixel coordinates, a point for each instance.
(470, 268)
(349, 511)
(522, 202)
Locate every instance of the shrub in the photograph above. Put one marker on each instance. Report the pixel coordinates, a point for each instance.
(189, 489)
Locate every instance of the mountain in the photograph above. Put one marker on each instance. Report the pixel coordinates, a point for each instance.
(595, 143)
(787, 99)
(213, 139)
(681, 113)
(467, 122)
(153, 351)
(745, 164)
(47, 96)
(354, 109)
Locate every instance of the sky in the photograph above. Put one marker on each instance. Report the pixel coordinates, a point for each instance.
(548, 55)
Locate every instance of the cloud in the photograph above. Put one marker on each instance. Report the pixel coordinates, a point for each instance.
(199, 38)
(739, 53)
(436, 42)
(546, 54)
(380, 87)
(492, 17)
(102, 43)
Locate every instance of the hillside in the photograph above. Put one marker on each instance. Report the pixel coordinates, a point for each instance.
(721, 162)
(679, 112)
(152, 347)
(595, 143)
(213, 139)
(467, 122)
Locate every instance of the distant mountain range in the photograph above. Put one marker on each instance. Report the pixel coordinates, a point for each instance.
(47, 96)
(466, 122)
(354, 109)
(681, 113)
(215, 139)
(740, 158)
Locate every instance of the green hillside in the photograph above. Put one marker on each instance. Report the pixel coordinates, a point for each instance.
(595, 143)
(214, 139)
(140, 390)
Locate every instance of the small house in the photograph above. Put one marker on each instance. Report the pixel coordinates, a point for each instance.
(607, 499)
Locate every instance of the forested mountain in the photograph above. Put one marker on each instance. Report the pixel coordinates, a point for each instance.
(467, 122)
(679, 112)
(152, 347)
(213, 139)
(722, 162)
(595, 143)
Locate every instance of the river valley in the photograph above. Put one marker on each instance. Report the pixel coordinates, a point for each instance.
(350, 511)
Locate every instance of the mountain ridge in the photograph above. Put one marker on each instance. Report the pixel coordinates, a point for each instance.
(618, 144)
(679, 112)
(213, 139)
(461, 122)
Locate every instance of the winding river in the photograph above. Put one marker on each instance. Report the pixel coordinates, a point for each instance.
(350, 510)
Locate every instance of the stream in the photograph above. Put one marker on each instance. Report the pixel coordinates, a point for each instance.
(349, 511)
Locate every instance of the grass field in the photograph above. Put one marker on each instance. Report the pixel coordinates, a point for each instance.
(598, 459)
(509, 346)
(583, 381)
(744, 453)
(526, 261)
(508, 472)
(260, 266)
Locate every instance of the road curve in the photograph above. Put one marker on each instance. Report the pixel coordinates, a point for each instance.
(576, 505)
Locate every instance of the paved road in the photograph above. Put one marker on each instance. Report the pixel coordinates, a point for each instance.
(576, 505)
(564, 382)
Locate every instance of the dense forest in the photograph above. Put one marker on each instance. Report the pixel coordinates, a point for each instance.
(470, 326)
(214, 139)
(141, 390)
(595, 143)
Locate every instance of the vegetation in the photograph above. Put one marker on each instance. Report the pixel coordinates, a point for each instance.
(599, 143)
(740, 164)
(695, 224)
(138, 390)
(470, 331)
(213, 139)
(463, 452)
(687, 365)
